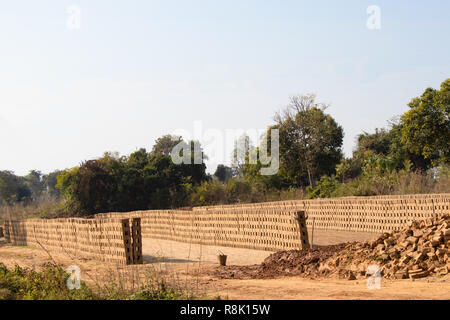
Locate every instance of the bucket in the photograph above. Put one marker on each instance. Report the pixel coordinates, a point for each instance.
(222, 259)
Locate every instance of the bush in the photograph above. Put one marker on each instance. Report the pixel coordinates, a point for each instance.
(51, 284)
(327, 187)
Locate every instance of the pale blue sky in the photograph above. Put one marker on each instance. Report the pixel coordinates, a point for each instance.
(139, 69)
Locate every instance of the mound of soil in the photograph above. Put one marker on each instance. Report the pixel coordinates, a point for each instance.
(297, 262)
(282, 263)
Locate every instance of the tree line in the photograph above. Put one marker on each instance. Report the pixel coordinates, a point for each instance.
(410, 155)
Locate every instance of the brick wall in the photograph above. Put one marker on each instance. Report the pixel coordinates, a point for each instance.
(270, 226)
(111, 240)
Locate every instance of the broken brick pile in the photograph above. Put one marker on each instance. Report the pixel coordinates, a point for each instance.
(419, 250)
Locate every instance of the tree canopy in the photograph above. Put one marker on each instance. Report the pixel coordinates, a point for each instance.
(426, 126)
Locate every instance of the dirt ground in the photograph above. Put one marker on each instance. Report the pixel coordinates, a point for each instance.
(196, 266)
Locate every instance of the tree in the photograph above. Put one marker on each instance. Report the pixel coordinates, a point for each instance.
(34, 182)
(13, 188)
(426, 126)
(242, 148)
(140, 181)
(310, 140)
(165, 144)
(49, 182)
(386, 143)
(223, 173)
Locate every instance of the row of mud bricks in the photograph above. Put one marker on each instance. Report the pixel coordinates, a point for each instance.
(118, 241)
(132, 237)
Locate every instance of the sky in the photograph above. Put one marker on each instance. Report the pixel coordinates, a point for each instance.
(120, 74)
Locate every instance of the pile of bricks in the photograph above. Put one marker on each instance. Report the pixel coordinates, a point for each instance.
(419, 250)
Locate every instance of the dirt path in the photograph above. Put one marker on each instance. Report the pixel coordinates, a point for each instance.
(155, 250)
(194, 264)
(298, 288)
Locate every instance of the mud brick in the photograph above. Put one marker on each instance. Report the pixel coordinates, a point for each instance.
(436, 241)
(432, 256)
(416, 270)
(441, 270)
(418, 233)
(401, 275)
(441, 251)
(404, 244)
(412, 240)
(405, 259)
(394, 255)
(428, 223)
(419, 257)
(418, 275)
(427, 250)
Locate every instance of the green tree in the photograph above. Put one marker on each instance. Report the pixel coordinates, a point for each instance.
(165, 144)
(310, 140)
(138, 182)
(35, 183)
(49, 181)
(426, 126)
(242, 148)
(223, 173)
(13, 188)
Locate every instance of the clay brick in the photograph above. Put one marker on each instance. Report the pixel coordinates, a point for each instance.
(418, 275)
(401, 275)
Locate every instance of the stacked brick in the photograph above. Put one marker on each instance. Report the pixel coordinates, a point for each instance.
(99, 239)
(420, 249)
(136, 233)
(271, 226)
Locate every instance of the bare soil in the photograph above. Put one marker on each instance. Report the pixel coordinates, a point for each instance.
(197, 266)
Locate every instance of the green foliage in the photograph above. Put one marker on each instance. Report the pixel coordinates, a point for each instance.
(209, 193)
(161, 292)
(310, 141)
(327, 187)
(13, 188)
(242, 148)
(33, 187)
(426, 126)
(239, 191)
(138, 182)
(223, 173)
(165, 144)
(50, 284)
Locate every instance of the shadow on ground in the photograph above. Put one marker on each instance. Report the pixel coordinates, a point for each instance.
(153, 259)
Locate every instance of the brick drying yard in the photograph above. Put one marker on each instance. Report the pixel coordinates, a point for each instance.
(198, 266)
(405, 238)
